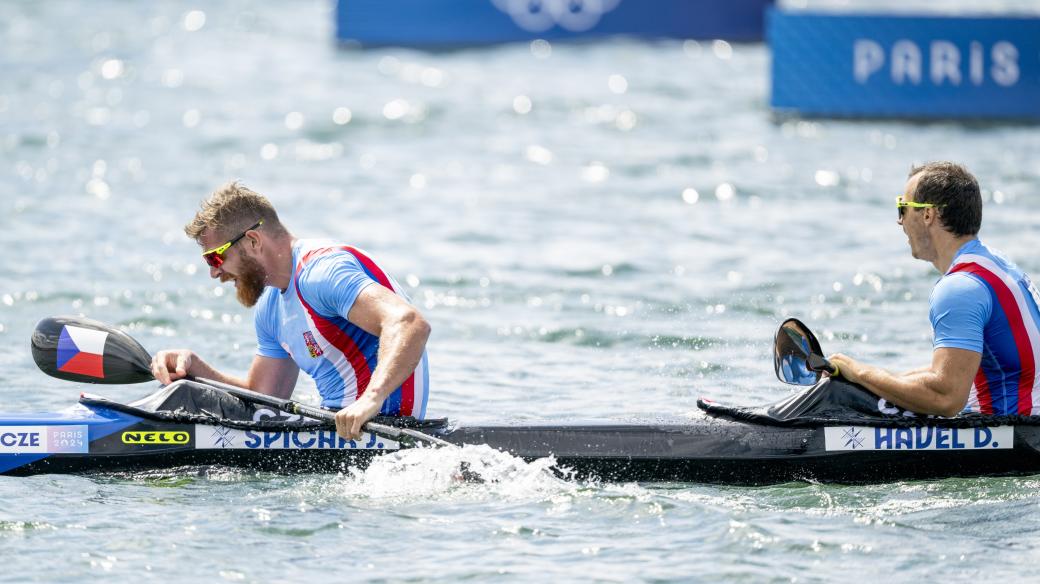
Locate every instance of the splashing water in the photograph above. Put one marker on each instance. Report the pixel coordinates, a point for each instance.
(470, 471)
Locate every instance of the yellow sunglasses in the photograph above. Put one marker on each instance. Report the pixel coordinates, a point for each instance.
(901, 205)
(215, 257)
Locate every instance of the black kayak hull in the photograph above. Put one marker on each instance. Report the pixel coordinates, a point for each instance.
(722, 451)
(704, 449)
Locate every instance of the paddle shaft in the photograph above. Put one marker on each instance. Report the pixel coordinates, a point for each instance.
(307, 411)
(821, 363)
(815, 361)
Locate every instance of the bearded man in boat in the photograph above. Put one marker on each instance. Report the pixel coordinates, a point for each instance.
(321, 306)
(983, 310)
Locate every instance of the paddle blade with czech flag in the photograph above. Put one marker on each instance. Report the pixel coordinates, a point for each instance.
(80, 349)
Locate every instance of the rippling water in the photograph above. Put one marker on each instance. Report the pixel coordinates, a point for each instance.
(605, 230)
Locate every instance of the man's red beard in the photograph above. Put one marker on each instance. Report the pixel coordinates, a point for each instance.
(251, 280)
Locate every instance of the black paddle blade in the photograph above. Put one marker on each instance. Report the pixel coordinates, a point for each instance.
(80, 349)
(796, 353)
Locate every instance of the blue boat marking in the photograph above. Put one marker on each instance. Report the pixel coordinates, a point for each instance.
(219, 437)
(838, 438)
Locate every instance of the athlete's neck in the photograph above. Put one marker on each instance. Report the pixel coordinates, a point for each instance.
(278, 260)
(946, 248)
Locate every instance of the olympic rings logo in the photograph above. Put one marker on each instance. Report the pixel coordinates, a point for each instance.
(541, 15)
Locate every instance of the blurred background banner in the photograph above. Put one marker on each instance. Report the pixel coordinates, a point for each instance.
(452, 23)
(905, 66)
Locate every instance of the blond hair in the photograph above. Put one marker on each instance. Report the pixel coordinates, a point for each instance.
(233, 208)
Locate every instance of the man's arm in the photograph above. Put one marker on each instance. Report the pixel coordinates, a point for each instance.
(268, 375)
(940, 389)
(402, 333)
(272, 376)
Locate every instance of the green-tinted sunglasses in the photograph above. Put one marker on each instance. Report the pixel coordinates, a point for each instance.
(901, 205)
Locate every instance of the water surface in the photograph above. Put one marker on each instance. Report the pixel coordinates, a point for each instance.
(596, 231)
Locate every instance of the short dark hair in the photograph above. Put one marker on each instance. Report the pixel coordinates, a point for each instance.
(955, 191)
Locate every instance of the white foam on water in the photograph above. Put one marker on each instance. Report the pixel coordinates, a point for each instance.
(472, 471)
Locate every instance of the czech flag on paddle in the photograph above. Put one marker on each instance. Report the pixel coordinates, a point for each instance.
(82, 351)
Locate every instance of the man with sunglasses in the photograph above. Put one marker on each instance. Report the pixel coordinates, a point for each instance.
(983, 310)
(321, 306)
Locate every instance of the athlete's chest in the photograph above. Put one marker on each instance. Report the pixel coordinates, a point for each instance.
(295, 334)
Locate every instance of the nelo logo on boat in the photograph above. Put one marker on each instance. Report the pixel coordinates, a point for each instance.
(919, 438)
(156, 437)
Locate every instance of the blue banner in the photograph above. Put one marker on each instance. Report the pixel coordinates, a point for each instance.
(458, 23)
(852, 65)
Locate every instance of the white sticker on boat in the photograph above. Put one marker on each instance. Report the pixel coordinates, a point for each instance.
(219, 437)
(43, 439)
(920, 438)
